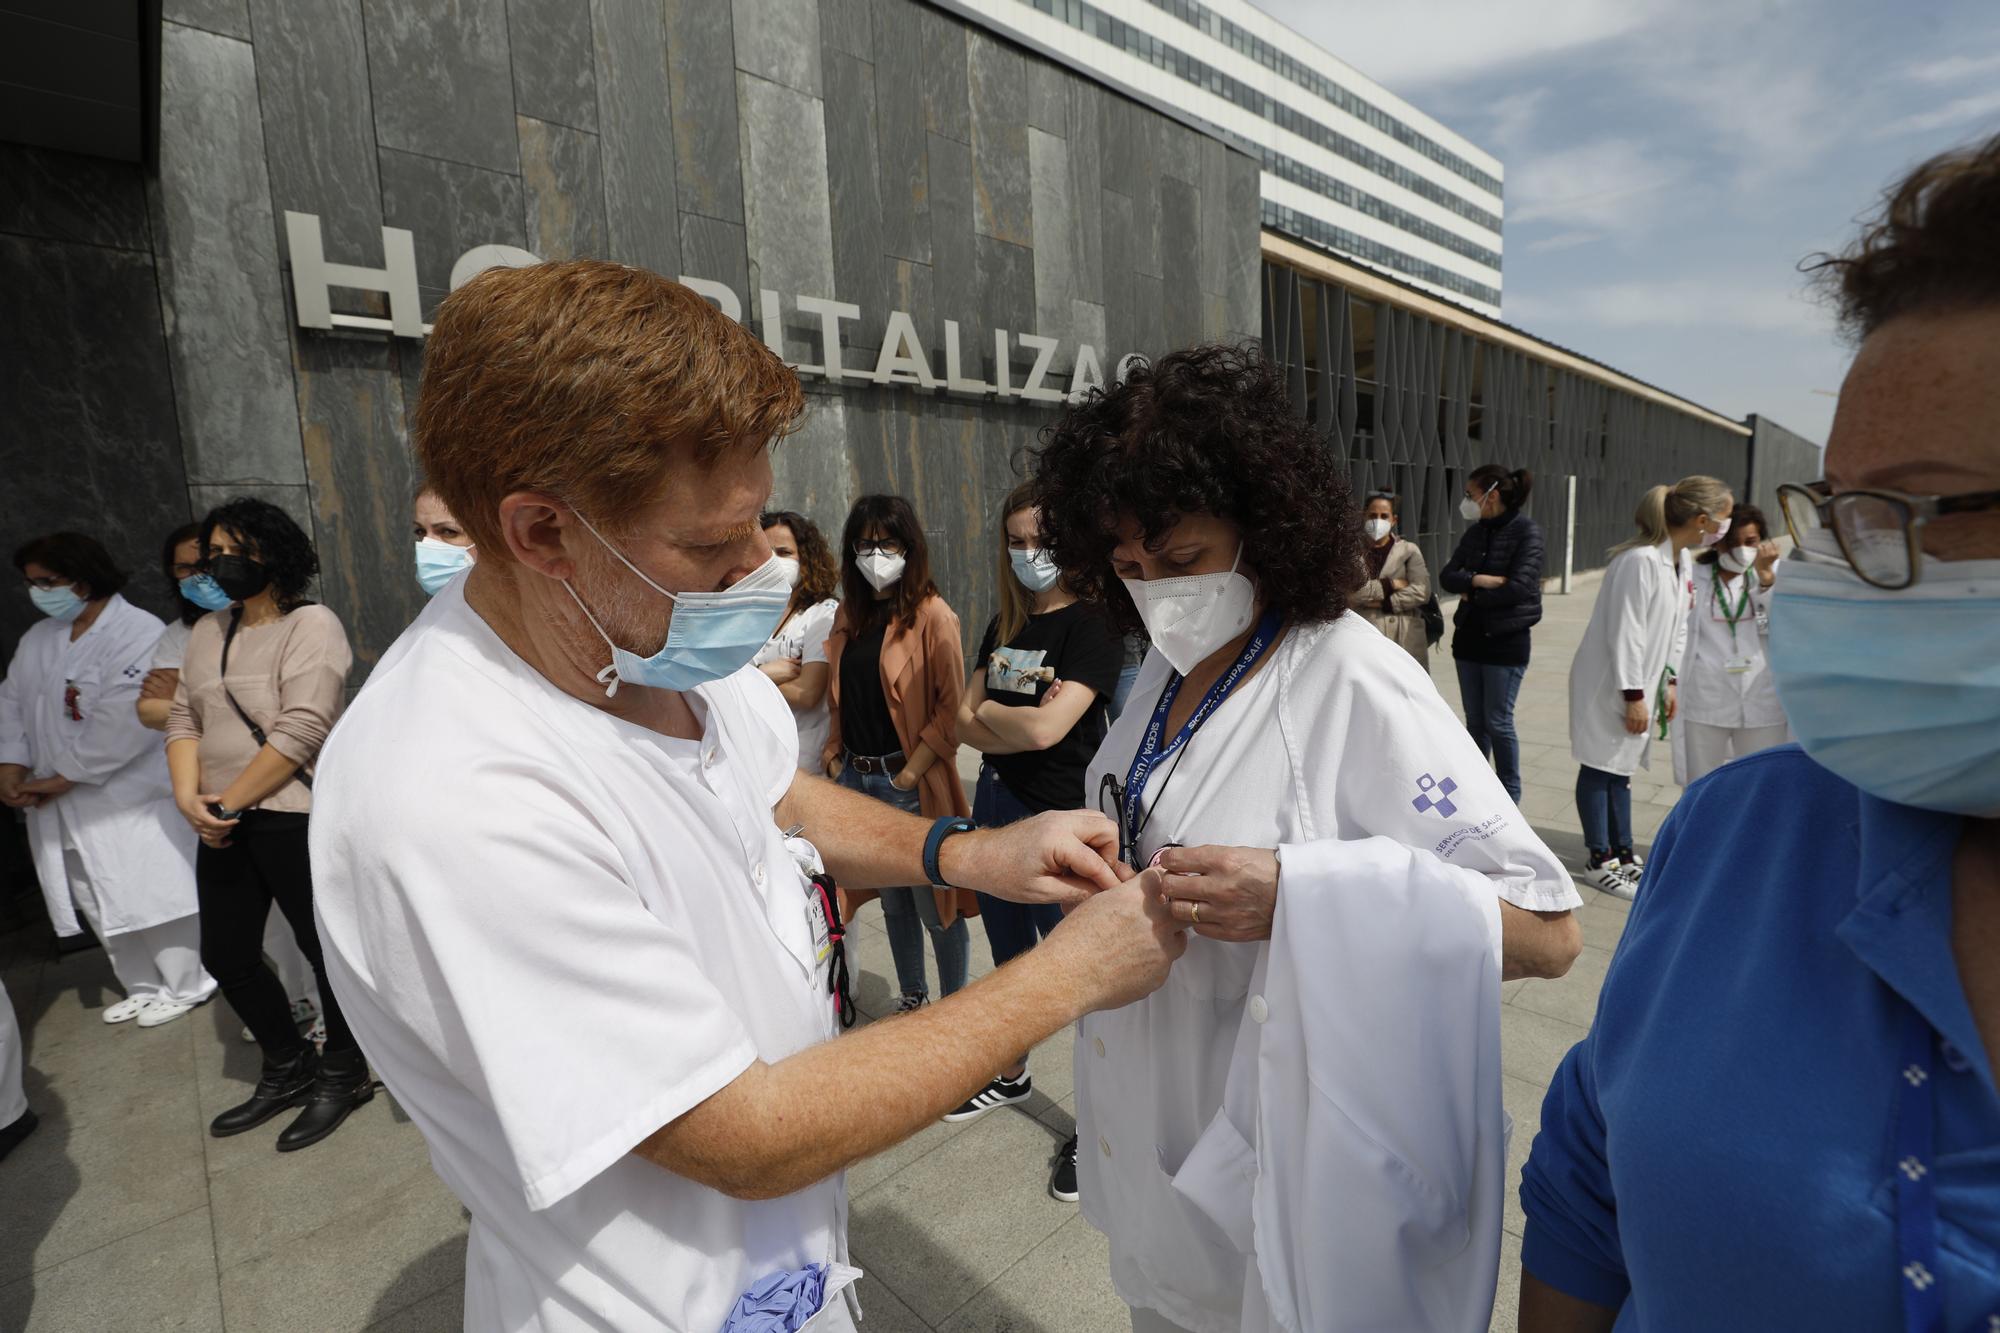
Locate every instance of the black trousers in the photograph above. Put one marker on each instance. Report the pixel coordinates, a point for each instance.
(265, 861)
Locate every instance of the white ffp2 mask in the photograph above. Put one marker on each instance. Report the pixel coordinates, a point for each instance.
(1189, 618)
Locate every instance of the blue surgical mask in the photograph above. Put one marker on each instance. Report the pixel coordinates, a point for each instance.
(438, 563)
(1036, 571)
(1917, 726)
(712, 634)
(205, 593)
(57, 603)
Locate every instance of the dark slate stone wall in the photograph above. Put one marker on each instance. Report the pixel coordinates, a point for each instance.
(875, 151)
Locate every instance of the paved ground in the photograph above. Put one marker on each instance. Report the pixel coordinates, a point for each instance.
(120, 1213)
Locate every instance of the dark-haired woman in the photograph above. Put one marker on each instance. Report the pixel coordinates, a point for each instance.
(795, 658)
(1035, 706)
(101, 823)
(1728, 702)
(1392, 600)
(1497, 573)
(1324, 1059)
(896, 671)
(259, 691)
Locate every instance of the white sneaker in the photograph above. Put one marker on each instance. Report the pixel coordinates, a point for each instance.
(1626, 885)
(1605, 878)
(164, 1011)
(127, 1009)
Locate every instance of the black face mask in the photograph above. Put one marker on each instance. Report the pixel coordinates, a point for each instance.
(238, 575)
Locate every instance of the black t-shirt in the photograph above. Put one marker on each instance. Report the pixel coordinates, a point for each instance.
(1075, 644)
(865, 725)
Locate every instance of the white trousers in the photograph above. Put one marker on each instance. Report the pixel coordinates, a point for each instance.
(162, 960)
(282, 948)
(13, 1101)
(1709, 748)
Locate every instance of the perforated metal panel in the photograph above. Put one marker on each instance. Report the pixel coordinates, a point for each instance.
(1412, 405)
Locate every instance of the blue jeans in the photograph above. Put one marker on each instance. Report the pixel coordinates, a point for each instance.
(908, 912)
(1488, 693)
(1127, 675)
(1011, 928)
(1604, 804)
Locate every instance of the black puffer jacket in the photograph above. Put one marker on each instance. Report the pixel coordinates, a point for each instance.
(1510, 546)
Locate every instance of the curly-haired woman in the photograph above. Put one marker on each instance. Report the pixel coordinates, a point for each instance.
(1785, 1114)
(795, 658)
(1341, 1016)
(260, 687)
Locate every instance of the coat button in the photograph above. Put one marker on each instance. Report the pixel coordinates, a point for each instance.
(1104, 1145)
(758, 874)
(1259, 1011)
(1098, 1042)
(708, 757)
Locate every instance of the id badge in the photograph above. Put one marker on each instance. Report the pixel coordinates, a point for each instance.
(821, 928)
(1737, 666)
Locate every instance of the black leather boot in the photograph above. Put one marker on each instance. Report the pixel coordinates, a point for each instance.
(285, 1084)
(343, 1084)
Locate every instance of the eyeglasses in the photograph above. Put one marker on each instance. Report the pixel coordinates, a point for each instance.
(48, 583)
(1879, 531)
(887, 546)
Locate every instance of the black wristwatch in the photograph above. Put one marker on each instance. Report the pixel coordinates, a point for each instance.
(941, 830)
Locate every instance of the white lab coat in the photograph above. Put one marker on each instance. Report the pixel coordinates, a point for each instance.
(1637, 629)
(1307, 1134)
(121, 817)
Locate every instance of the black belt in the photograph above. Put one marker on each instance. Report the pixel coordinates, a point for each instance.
(891, 764)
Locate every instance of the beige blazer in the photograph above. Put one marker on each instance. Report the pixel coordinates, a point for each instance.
(1401, 618)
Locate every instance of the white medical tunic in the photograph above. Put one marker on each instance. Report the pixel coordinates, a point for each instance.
(1637, 630)
(1725, 680)
(1340, 736)
(553, 933)
(802, 638)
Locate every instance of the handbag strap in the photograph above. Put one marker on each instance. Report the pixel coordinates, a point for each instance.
(256, 732)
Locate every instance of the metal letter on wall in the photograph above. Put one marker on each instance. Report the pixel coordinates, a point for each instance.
(313, 276)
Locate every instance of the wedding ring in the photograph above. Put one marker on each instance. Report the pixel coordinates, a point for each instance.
(1194, 917)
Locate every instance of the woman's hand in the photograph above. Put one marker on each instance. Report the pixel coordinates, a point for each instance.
(1673, 700)
(832, 766)
(904, 780)
(1397, 585)
(212, 831)
(1635, 716)
(782, 670)
(13, 777)
(1225, 893)
(48, 788)
(1489, 581)
(1055, 688)
(1767, 561)
(159, 683)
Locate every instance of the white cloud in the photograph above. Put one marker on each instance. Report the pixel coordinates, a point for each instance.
(1601, 185)
(1706, 303)
(1977, 106)
(1562, 240)
(1952, 69)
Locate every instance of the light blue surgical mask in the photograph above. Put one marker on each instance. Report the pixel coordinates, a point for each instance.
(57, 603)
(205, 593)
(438, 563)
(712, 634)
(1897, 692)
(1036, 571)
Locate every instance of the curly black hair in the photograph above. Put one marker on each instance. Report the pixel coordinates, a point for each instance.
(1930, 247)
(269, 536)
(1207, 430)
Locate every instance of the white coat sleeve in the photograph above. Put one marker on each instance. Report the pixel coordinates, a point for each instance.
(1683, 614)
(14, 748)
(111, 734)
(1622, 600)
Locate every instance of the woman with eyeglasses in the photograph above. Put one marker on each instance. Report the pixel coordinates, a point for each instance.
(1035, 706)
(1497, 574)
(107, 845)
(1785, 1115)
(1728, 703)
(1302, 1129)
(795, 658)
(263, 682)
(896, 672)
(1621, 681)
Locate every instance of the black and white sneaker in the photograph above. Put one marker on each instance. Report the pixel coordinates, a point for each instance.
(911, 1002)
(1606, 874)
(1000, 1092)
(1062, 1182)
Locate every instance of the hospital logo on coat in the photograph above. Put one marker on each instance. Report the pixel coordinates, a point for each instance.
(1433, 794)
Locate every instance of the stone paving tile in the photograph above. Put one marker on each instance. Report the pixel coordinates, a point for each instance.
(1532, 1044)
(160, 1278)
(1059, 1286)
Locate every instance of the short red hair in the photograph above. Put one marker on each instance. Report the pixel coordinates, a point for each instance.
(587, 380)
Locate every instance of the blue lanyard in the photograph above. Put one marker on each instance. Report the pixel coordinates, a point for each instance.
(1150, 756)
(1916, 1189)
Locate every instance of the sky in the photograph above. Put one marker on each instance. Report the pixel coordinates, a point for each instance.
(1668, 163)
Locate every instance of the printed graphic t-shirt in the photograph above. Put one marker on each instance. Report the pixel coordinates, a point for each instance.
(1075, 644)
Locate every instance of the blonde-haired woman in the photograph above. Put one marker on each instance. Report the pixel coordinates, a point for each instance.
(1620, 679)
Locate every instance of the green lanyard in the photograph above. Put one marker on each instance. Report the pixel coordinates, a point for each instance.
(1722, 603)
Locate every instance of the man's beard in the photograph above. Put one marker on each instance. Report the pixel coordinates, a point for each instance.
(634, 616)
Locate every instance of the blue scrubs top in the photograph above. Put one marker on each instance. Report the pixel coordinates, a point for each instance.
(1718, 1153)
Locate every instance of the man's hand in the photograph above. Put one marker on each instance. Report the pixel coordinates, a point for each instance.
(212, 831)
(48, 788)
(1225, 893)
(1636, 717)
(1063, 856)
(160, 684)
(783, 670)
(1120, 943)
(11, 778)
